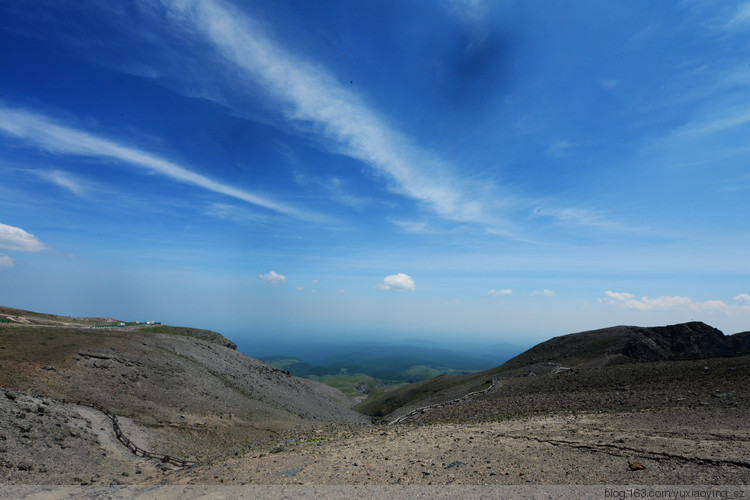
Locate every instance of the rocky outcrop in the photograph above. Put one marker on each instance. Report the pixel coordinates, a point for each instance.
(624, 344)
(741, 342)
(683, 341)
(611, 346)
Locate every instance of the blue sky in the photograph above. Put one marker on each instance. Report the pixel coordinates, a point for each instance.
(457, 169)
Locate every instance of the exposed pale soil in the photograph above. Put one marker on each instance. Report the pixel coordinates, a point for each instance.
(191, 398)
(674, 446)
(43, 441)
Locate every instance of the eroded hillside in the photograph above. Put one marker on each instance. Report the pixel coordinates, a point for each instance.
(192, 397)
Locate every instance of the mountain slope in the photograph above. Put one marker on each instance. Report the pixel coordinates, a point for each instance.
(597, 348)
(192, 396)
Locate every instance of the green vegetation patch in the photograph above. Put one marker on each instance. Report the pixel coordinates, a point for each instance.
(354, 379)
(207, 335)
(385, 404)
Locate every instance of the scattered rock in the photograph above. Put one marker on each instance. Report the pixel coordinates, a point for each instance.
(289, 472)
(635, 465)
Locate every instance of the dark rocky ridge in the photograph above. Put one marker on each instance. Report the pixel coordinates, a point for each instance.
(585, 350)
(627, 344)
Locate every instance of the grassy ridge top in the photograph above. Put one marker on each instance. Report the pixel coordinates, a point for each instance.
(207, 335)
(19, 318)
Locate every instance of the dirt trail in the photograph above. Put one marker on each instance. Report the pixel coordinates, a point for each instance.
(101, 426)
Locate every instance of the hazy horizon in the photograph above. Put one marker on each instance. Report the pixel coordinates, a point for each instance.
(462, 171)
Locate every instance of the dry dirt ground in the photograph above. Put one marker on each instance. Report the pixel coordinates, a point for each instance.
(46, 442)
(53, 443)
(706, 446)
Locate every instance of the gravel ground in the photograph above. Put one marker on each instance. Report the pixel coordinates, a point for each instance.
(43, 441)
(690, 427)
(686, 422)
(563, 449)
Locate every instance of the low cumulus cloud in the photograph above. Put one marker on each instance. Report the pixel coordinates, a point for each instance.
(543, 293)
(273, 277)
(15, 238)
(398, 281)
(673, 302)
(6, 261)
(504, 291)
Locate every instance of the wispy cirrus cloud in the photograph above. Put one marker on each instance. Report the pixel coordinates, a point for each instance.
(49, 135)
(560, 148)
(671, 302)
(414, 227)
(310, 97)
(473, 15)
(504, 291)
(740, 18)
(65, 180)
(6, 261)
(728, 119)
(15, 238)
(576, 216)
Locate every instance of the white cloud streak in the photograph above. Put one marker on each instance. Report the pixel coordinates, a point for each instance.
(311, 97)
(46, 134)
(63, 179)
(15, 238)
(578, 216)
(670, 303)
(504, 291)
(543, 293)
(741, 18)
(273, 277)
(398, 281)
(712, 124)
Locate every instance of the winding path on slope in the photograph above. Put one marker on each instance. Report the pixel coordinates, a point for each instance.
(407, 416)
(136, 450)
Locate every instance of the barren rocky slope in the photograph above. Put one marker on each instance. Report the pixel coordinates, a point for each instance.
(684, 420)
(615, 346)
(185, 396)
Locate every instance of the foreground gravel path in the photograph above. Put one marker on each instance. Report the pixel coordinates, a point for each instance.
(675, 446)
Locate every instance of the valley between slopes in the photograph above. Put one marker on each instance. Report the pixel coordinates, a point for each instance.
(577, 409)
